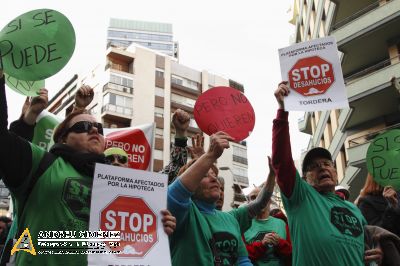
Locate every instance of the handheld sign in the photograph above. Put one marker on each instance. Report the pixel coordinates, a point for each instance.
(136, 142)
(27, 88)
(383, 157)
(36, 45)
(129, 201)
(314, 74)
(225, 109)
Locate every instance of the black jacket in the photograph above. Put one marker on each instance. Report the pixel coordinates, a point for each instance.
(377, 211)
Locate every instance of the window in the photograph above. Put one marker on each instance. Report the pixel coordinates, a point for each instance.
(159, 92)
(190, 84)
(159, 74)
(121, 81)
(159, 112)
(182, 100)
(239, 151)
(158, 155)
(159, 132)
(118, 103)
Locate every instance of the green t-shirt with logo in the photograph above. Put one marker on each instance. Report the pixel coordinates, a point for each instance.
(256, 233)
(325, 229)
(205, 238)
(59, 201)
(242, 216)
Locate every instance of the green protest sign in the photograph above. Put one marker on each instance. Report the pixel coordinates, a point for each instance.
(27, 88)
(36, 45)
(45, 125)
(383, 158)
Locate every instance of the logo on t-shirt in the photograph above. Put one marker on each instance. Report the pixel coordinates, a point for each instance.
(225, 248)
(76, 195)
(345, 221)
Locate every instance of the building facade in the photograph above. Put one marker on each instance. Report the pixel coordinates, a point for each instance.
(138, 86)
(153, 35)
(368, 39)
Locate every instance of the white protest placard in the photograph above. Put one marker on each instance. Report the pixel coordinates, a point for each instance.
(130, 201)
(314, 74)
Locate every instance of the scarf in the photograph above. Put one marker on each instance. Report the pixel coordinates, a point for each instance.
(83, 162)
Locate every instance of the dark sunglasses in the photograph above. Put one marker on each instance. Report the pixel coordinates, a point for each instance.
(85, 127)
(120, 158)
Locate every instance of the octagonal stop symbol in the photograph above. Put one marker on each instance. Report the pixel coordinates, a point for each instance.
(137, 223)
(311, 76)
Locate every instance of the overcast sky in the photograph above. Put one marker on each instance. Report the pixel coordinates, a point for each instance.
(236, 39)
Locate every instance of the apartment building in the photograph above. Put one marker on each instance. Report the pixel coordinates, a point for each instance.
(136, 86)
(153, 35)
(368, 38)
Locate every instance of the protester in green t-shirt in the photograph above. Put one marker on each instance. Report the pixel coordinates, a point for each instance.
(325, 229)
(204, 235)
(57, 199)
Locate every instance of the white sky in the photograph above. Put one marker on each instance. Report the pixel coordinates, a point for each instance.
(226, 37)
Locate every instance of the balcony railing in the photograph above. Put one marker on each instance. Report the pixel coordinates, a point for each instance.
(371, 69)
(370, 136)
(356, 15)
(241, 179)
(117, 109)
(239, 197)
(117, 87)
(239, 159)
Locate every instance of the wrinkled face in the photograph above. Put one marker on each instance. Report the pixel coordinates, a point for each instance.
(90, 141)
(209, 189)
(322, 175)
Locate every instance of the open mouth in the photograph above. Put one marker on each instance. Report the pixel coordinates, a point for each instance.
(324, 176)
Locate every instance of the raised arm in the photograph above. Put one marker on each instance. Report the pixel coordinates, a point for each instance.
(282, 160)
(25, 125)
(83, 97)
(15, 153)
(255, 207)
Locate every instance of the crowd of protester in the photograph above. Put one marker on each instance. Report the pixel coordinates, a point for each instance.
(317, 225)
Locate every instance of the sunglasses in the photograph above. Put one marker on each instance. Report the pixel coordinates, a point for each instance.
(85, 127)
(120, 158)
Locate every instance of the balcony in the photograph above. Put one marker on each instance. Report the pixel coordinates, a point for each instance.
(367, 94)
(239, 197)
(319, 131)
(116, 113)
(304, 123)
(180, 87)
(239, 159)
(372, 31)
(242, 181)
(117, 87)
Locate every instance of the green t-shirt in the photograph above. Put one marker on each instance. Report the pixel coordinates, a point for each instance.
(242, 216)
(257, 232)
(59, 201)
(205, 238)
(325, 229)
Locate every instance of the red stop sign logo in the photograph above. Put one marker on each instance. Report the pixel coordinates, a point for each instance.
(136, 222)
(311, 76)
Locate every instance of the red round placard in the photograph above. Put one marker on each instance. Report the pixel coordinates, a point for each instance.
(225, 109)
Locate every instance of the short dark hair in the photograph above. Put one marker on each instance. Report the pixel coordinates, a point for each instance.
(61, 129)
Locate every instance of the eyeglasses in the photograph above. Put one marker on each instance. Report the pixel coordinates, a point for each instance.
(314, 165)
(85, 127)
(120, 158)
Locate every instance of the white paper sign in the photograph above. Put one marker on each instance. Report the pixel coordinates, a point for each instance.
(315, 76)
(130, 201)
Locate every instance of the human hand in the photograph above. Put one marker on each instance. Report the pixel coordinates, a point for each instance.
(271, 168)
(197, 148)
(180, 121)
(218, 142)
(84, 96)
(38, 103)
(168, 221)
(281, 92)
(375, 255)
(270, 239)
(390, 195)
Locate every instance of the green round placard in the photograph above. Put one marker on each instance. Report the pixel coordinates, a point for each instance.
(27, 88)
(36, 44)
(383, 158)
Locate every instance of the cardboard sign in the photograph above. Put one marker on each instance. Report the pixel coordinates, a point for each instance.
(225, 109)
(383, 157)
(27, 88)
(36, 45)
(130, 201)
(315, 76)
(137, 142)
